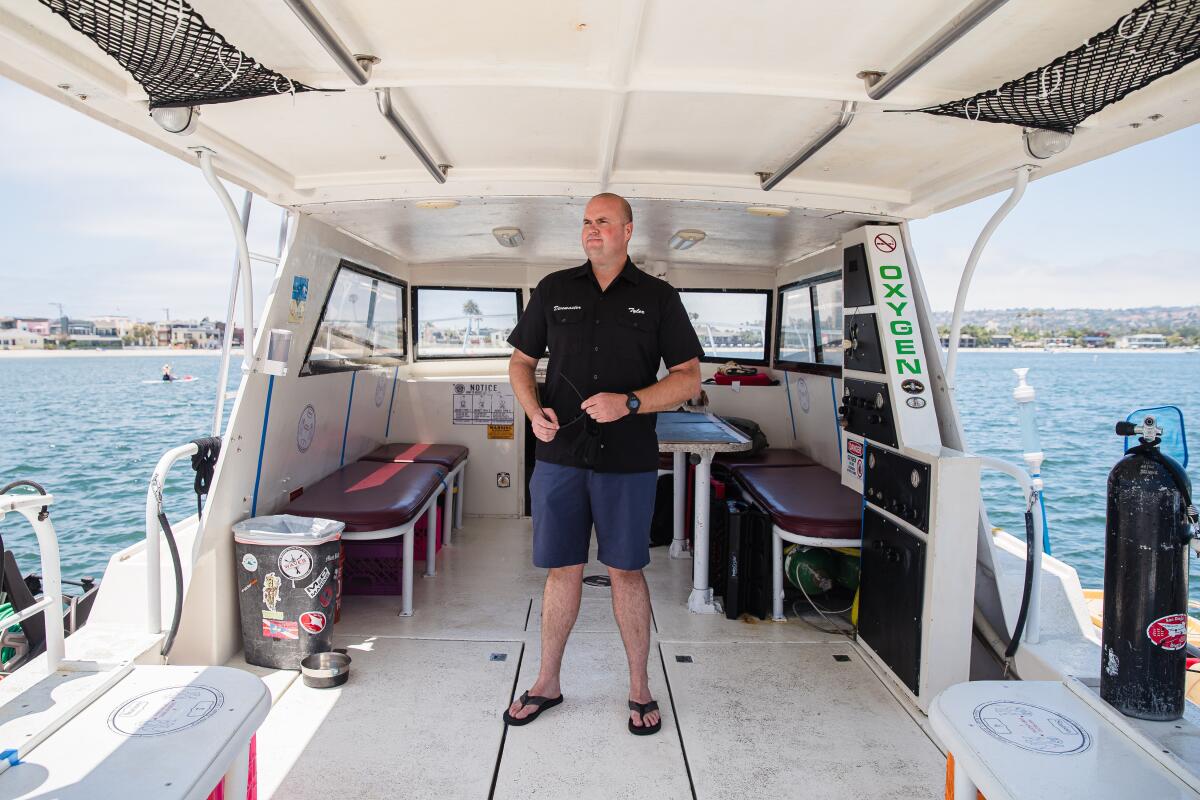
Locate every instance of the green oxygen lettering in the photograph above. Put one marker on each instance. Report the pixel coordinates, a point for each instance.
(894, 290)
(890, 272)
(903, 364)
(899, 309)
(901, 327)
(905, 347)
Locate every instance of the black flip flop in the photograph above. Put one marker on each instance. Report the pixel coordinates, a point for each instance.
(643, 709)
(541, 703)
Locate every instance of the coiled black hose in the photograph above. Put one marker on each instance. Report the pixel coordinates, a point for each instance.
(177, 566)
(1030, 544)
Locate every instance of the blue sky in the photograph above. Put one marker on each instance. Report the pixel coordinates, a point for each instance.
(105, 224)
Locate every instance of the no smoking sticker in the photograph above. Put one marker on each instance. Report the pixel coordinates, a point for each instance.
(885, 242)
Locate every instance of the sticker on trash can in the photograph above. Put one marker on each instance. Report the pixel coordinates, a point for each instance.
(165, 711)
(249, 562)
(295, 563)
(271, 584)
(1169, 632)
(326, 596)
(315, 587)
(1032, 728)
(283, 629)
(312, 621)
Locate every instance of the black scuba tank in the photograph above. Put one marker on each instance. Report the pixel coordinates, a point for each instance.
(1147, 533)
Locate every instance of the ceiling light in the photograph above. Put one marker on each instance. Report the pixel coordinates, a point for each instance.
(684, 239)
(440, 203)
(180, 121)
(768, 211)
(508, 237)
(1044, 144)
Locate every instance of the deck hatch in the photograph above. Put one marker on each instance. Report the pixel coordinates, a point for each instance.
(172, 52)
(1151, 41)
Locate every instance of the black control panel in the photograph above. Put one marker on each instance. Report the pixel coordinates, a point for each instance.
(868, 410)
(856, 282)
(892, 595)
(864, 352)
(898, 485)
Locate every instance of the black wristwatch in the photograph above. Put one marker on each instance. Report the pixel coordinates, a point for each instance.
(632, 402)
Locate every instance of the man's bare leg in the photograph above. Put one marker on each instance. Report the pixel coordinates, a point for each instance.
(560, 608)
(631, 606)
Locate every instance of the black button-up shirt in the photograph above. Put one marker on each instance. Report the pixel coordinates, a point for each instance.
(603, 341)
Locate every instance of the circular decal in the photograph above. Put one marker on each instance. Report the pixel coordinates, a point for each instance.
(915, 402)
(802, 394)
(459, 388)
(380, 389)
(249, 562)
(912, 386)
(885, 243)
(1032, 728)
(165, 711)
(312, 621)
(306, 428)
(1169, 632)
(295, 563)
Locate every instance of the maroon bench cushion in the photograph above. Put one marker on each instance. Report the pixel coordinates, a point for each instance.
(370, 495)
(448, 455)
(771, 457)
(807, 501)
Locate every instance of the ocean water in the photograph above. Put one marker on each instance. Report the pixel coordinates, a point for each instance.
(91, 431)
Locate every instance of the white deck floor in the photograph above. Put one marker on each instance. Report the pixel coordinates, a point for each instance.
(761, 710)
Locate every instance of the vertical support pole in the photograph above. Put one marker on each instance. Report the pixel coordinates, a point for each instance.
(462, 496)
(51, 587)
(230, 310)
(406, 585)
(776, 576)
(701, 600)
(431, 531)
(448, 507)
(679, 484)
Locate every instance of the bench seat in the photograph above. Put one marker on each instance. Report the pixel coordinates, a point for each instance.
(808, 501)
(448, 455)
(370, 495)
(771, 457)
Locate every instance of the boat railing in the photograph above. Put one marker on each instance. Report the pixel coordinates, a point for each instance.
(1032, 633)
(154, 532)
(36, 509)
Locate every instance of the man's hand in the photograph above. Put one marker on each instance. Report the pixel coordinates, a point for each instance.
(605, 407)
(545, 425)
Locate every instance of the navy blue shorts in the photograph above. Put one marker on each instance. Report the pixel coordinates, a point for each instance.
(567, 501)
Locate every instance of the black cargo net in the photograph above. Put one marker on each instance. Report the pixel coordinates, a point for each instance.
(1153, 40)
(172, 52)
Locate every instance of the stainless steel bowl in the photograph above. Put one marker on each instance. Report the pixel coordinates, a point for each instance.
(325, 670)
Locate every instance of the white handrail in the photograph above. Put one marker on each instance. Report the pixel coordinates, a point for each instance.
(230, 311)
(1033, 619)
(30, 506)
(154, 531)
(247, 282)
(964, 283)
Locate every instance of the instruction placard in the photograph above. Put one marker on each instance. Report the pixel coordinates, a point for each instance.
(482, 404)
(500, 431)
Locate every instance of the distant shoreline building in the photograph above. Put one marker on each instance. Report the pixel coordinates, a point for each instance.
(1142, 341)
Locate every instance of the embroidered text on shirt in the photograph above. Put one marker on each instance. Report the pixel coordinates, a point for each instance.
(633, 310)
(567, 308)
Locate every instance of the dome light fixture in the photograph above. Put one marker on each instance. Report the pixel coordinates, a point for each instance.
(181, 121)
(768, 211)
(684, 239)
(1042, 144)
(438, 203)
(508, 237)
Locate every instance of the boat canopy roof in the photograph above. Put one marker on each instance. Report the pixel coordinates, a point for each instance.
(675, 104)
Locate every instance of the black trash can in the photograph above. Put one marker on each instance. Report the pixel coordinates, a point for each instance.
(288, 577)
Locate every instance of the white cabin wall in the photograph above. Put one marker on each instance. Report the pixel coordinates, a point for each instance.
(210, 632)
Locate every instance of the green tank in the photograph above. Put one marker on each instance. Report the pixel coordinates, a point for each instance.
(810, 569)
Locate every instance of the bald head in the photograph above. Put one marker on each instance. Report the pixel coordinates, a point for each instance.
(626, 211)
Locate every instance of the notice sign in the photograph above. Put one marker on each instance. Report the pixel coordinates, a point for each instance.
(500, 431)
(482, 404)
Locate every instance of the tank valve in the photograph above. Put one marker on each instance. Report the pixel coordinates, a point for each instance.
(1148, 431)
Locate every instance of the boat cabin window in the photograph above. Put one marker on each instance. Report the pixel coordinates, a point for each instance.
(362, 323)
(731, 324)
(808, 336)
(463, 322)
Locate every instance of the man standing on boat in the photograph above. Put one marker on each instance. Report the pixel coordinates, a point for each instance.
(607, 325)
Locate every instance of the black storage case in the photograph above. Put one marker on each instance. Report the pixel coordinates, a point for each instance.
(746, 578)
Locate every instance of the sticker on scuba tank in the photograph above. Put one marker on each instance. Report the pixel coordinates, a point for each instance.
(312, 621)
(1169, 632)
(249, 562)
(912, 386)
(915, 402)
(295, 563)
(271, 585)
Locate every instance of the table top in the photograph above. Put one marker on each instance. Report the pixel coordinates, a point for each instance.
(683, 431)
(1037, 739)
